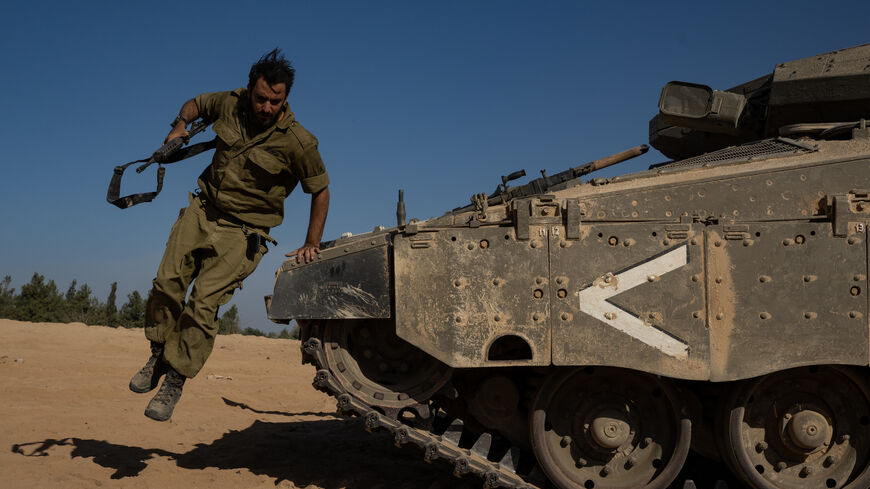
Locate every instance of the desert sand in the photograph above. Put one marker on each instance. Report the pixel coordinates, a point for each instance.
(250, 419)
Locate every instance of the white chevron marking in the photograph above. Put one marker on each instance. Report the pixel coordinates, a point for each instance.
(594, 301)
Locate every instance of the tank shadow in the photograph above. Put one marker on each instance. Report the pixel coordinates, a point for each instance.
(331, 454)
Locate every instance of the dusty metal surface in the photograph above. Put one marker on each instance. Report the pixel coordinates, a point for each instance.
(348, 286)
(458, 291)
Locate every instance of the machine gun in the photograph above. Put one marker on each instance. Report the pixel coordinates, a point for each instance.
(504, 193)
(170, 152)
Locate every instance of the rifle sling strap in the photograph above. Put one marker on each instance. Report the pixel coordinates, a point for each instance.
(112, 196)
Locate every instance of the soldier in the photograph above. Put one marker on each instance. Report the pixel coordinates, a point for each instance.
(262, 152)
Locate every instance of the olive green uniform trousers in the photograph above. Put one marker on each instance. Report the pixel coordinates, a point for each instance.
(206, 248)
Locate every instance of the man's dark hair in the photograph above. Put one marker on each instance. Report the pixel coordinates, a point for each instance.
(273, 68)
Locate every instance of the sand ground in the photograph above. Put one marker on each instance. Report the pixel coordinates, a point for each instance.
(249, 419)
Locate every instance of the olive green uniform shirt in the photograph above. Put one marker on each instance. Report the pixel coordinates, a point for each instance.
(250, 175)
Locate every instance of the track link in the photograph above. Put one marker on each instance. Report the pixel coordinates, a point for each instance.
(439, 438)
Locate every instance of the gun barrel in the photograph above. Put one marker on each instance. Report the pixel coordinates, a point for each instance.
(612, 160)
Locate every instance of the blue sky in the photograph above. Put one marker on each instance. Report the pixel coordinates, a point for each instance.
(437, 98)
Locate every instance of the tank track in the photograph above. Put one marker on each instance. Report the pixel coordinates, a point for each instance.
(439, 438)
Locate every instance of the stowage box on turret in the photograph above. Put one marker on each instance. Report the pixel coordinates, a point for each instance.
(589, 333)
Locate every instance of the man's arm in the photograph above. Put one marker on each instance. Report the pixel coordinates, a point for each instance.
(319, 208)
(189, 111)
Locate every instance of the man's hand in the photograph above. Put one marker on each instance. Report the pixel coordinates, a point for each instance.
(307, 252)
(179, 131)
(190, 112)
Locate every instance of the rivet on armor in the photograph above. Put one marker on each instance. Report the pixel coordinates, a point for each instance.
(718, 243)
(484, 244)
(608, 279)
(565, 441)
(858, 277)
(787, 242)
(830, 460)
(748, 242)
(764, 315)
(562, 244)
(810, 278)
(628, 242)
(718, 280)
(810, 315)
(580, 463)
(470, 246)
(799, 239)
(458, 319)
(694, 241)
(696, 314)
(613, 241)
(764, 279)
(695, 278)
(533, 244)
(806, 471)
(497, 318)
(852, 240)
(666, 242)
(373, 242)
(539, 280)
(631, 462)
(457, 283)
(853, 314)
(536, 316)
(761, 446)
(605, 471)
(564, 316)
(346, 250)
(844, 438)
(559, 280)
(780, 466)
(855, 291)
(538, 293)
(646, 442)
(668, 213)
(496, 281)
(562, 293)
(652, 278)
(608, 315)
(720, 316)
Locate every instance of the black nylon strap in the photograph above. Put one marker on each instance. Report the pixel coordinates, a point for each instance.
(113, 194)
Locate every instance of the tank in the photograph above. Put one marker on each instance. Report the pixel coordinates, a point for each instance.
(580, 332)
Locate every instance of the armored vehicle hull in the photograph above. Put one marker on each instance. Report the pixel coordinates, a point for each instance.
(591, 333)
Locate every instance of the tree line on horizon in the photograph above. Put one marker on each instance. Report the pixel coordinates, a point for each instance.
(39, 301)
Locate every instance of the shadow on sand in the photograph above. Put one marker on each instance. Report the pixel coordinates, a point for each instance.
(330, 454)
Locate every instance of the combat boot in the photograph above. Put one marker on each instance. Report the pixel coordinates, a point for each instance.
(161, 406)
(147, 379)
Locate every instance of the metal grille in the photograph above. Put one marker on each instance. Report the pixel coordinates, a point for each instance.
(761, 150)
